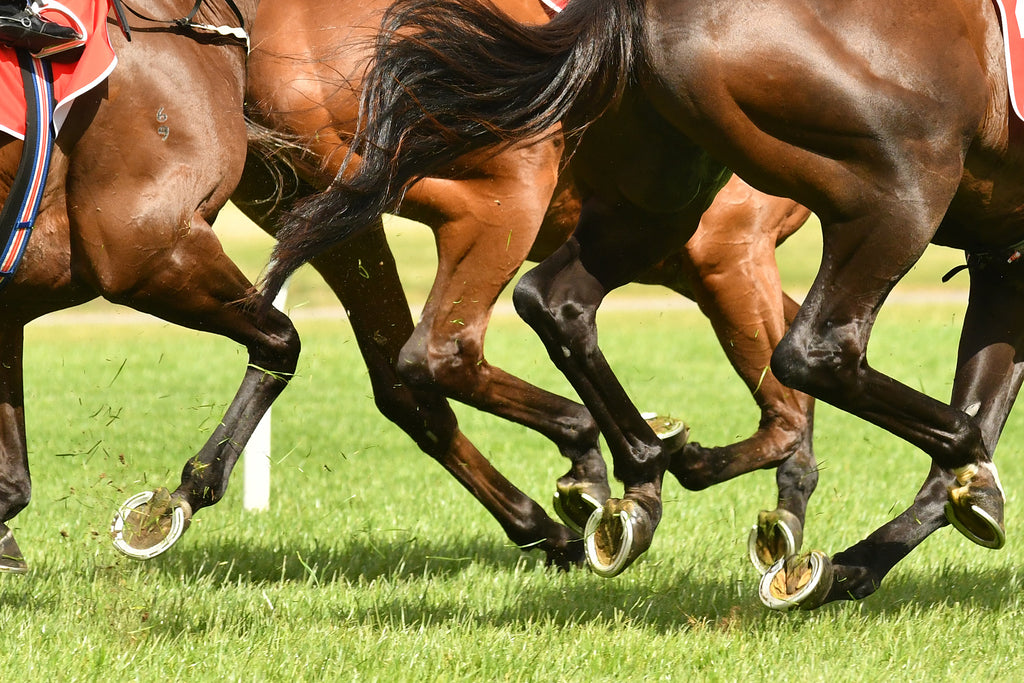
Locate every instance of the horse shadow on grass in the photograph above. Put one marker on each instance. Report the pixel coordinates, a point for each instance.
(669, 597)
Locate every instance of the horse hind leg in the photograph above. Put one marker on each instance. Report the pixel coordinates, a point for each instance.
(989, 376)
(149, 523)
(487, 232)
(377, 310)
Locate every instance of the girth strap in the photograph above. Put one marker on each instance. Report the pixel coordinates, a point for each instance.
(22, 204)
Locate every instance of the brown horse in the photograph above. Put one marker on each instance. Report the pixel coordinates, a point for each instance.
(485, 211)
(139, 170)
(893, 144)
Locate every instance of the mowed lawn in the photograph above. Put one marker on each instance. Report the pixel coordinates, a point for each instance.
(373, 564)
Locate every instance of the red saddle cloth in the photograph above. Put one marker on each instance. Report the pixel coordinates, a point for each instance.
(1011, 13)
(70, 79)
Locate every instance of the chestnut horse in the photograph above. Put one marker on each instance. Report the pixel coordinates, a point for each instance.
(126, 215)
(892, 143)
(485, 211)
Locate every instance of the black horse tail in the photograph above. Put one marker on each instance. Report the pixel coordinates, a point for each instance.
(454, 76)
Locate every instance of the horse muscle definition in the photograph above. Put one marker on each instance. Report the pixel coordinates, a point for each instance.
(486, 210)
(892, 144)
(117, 199)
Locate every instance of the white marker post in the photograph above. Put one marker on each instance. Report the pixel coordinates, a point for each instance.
(256, 456)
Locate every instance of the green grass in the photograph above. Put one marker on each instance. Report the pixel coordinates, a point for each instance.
(374, 564)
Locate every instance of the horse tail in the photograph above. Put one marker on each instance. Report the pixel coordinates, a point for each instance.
(449, 77)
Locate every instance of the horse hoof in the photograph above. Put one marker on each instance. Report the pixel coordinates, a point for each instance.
(797, 581)
(975, 507)
(574, 508)
(11, 559)
(149, 523)
(673, 432)
(574, 501)
(616, 534)
(777, 535)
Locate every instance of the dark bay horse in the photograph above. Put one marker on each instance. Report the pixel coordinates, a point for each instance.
(485, 211)
(140, 169)
(892, 143)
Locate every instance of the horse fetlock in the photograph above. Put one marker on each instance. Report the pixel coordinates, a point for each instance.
(565, 555)
(616, 534)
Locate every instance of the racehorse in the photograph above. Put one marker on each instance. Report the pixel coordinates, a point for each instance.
(143, 163)
(485, 211)
(894, 145)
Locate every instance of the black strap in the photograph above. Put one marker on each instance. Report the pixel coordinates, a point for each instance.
(186, 21)
(122, 20)
(34, 161)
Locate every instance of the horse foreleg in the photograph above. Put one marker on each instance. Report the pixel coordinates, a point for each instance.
(486, 231)
(728, 267)
(825, 354)
(379, 314)
(213, 302)
(15, 484)
(559, 299)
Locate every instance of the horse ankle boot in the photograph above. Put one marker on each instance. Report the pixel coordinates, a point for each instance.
(20, 27)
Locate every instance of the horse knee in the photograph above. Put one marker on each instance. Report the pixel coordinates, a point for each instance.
(528, 298)
(414, 365)
(454, 364)
(543, 305)
(823, 366)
